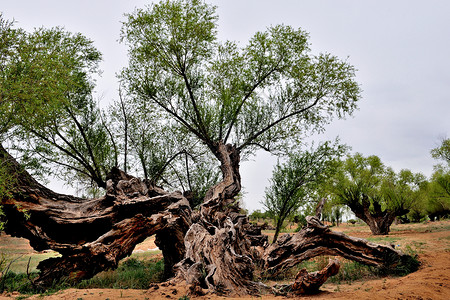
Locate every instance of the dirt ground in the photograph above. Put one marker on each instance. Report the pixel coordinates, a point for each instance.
(432, 281)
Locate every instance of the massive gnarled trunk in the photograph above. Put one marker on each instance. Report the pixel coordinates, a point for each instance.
(218, 254)
(215, 248)
(93, 234)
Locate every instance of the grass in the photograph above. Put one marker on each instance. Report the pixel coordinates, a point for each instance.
(18, 250)
(21, 261)
(131, 274)
(349, 271)
(383, 239)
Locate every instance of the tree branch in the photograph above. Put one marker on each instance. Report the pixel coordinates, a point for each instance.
(256, 135)
(247, 96)
(86, 142)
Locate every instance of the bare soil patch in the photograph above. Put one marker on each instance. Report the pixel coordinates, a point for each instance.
(431, 242)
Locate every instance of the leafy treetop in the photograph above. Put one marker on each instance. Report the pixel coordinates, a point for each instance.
(264, 95)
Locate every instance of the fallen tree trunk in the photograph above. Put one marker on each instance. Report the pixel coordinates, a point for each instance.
(93, 234)
(215, 248)
(317, 239)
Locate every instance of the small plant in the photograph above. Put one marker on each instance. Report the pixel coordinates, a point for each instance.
(185, 297)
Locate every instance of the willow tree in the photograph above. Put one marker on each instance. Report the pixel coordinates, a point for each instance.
(374, 192)
(438, 202)
(266, 95)
(226, 100)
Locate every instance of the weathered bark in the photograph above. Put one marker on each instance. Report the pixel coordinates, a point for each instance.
(93, 234)
(317, 239)
(218, 254)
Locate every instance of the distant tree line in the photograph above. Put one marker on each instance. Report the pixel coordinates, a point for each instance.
(374, 192)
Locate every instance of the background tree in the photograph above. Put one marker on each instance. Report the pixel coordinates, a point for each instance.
(438, 204)
(439, 189)
(374, 193)
(296, 182)
(442, 152)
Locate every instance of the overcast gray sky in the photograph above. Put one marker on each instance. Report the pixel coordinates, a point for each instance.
(400, 48)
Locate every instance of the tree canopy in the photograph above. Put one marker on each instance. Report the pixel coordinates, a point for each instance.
(265, 95)
(375, 193)
(48, 112)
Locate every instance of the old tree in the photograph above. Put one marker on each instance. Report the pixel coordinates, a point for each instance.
(190, 104)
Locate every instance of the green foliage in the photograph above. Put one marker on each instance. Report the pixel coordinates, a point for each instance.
(40, 71)
(182, 86)
(264, 95)
(7, 187)
(298, 180)
(375, 193)
(442, 152)
(51, 119)
(366, 182)
(350, 271)
(438, 204)
(131, 274)
(257, 215)
(17, 282)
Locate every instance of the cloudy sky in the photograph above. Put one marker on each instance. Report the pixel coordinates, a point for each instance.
(400, 48)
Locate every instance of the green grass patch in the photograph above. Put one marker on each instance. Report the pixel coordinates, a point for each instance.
(131, 274)
(146, 255)
(383, 239)
(20, 263)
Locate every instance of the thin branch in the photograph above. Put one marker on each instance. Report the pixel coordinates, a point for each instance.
(201, 125)
(77, 156)
(187, 171)
(179, 119)
(116, 159)
(125, 121)
(247, 96)
(86, 141)
(256, 135)
(63, 164)
(154, 178)
(179, 178)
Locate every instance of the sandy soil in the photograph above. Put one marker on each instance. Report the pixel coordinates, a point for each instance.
(431, 281)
